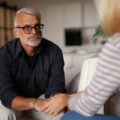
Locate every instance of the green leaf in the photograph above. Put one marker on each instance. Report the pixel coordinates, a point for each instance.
(99, 32)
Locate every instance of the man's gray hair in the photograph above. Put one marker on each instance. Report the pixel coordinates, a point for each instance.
(29, 11)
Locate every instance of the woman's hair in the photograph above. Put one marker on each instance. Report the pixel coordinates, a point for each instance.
(29, 11)
(110, 16)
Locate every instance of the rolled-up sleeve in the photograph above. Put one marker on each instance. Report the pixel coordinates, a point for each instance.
(56, 75)
(7, 88)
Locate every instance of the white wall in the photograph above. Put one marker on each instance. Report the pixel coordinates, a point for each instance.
(60, 14)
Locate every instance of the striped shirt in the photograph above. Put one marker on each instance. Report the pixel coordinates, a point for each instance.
(104, 82)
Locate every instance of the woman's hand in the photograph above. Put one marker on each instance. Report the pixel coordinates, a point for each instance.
(56, 104)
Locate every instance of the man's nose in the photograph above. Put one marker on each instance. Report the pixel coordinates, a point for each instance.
(33, 30)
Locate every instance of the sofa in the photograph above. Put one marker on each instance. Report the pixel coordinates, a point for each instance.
(72, 68)
(79, 70)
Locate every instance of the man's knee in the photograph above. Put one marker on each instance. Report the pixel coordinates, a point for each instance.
(6, 113)
(57, 117)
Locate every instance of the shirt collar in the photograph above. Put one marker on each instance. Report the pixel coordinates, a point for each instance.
(19, 48)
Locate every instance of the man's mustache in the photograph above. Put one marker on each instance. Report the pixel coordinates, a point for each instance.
(34, 36)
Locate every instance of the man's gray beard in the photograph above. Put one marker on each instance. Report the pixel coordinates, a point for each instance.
(30, 43)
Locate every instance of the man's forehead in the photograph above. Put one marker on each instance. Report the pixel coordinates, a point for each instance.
(23, 18)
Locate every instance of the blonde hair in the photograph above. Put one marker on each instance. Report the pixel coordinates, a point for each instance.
(29, 11)
(110, 16)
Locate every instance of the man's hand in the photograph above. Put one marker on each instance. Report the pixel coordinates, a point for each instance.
(40, 103)
(55, 104)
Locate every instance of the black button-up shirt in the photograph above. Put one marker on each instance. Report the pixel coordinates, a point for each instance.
(22, 75)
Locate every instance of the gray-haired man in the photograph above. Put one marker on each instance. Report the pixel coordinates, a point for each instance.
(30, 66)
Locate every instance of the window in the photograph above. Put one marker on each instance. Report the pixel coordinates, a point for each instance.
(7, 14)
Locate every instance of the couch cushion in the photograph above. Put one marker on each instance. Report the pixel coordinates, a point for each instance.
(87, 72)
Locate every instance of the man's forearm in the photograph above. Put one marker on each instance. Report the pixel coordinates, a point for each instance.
(22, 103)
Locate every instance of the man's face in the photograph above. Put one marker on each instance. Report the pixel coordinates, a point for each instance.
(34, 37)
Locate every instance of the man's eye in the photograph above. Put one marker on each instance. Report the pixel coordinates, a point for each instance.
(37, 25)
(27, 27)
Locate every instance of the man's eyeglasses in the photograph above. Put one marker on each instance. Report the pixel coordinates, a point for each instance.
(28, 29)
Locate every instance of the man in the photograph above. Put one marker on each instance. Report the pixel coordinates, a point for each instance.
(30, 66)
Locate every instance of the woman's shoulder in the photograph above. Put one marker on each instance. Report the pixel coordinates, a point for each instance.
(115, 39)
(113, 42)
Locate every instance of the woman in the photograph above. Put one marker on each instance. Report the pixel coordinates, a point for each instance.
(107, 76)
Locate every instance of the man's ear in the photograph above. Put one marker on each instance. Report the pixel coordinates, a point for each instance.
(15, 32)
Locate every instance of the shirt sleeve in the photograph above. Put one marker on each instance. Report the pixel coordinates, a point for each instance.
(7, 88)
(105, 81)
(56, 75)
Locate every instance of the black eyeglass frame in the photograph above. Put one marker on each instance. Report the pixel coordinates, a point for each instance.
(30, 28)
